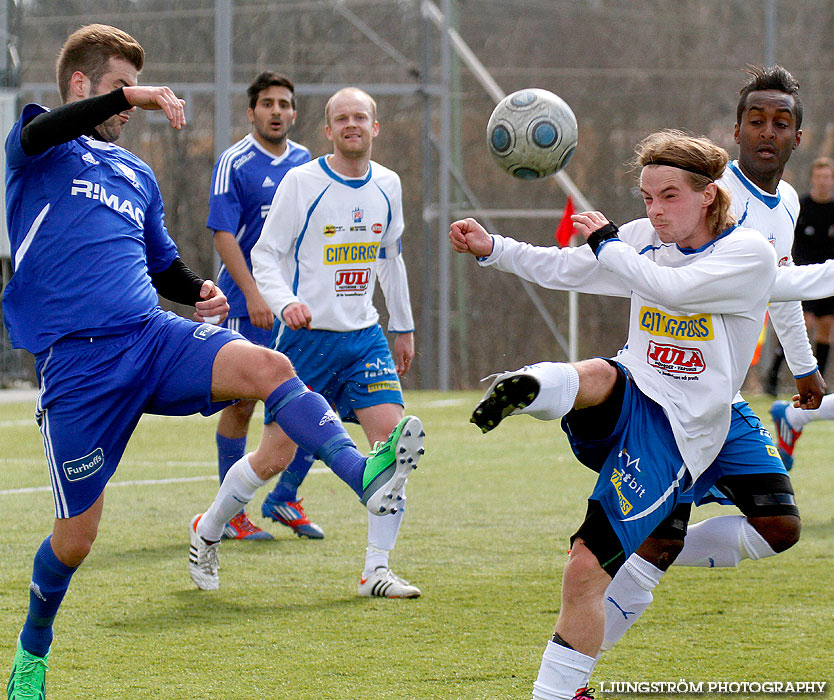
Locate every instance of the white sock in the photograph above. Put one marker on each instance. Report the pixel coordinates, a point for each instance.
(627, 597)
(722, 541)
(563, 671)
(382, 536)
(558, 387)
(238, 488)
(798, 418)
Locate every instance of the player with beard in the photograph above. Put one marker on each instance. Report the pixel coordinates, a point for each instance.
(91, 256)
(242, 186)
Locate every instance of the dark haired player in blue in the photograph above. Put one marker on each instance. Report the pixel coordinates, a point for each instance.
(91, 253)
(242, 187)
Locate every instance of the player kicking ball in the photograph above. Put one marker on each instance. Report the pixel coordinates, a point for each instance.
(699, 286)
(91, 256)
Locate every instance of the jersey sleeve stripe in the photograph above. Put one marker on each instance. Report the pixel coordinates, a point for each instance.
(224, 166)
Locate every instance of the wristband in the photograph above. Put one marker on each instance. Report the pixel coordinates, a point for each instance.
(598, 237)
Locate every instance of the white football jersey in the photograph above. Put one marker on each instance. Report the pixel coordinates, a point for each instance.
(774, 215)
(325, 240)
(695, 317)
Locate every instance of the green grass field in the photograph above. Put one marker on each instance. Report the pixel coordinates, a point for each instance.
(485, 538)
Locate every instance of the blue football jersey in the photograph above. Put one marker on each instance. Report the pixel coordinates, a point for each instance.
(86, 225)
(242, 187)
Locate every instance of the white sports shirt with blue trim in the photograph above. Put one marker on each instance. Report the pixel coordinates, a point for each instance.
(325, 241)
(86, 226)
(774, 215)
(695, 317)
(243, 184)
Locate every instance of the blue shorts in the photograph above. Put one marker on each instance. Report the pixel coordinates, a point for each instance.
(242, 325)
(747, 450)
(351, 370)
(641, 471)
(93, 392)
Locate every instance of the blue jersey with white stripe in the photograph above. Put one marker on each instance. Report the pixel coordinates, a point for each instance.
(86, 226)
(242, 187)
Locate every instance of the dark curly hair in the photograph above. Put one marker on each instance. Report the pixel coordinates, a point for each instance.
(771, 78)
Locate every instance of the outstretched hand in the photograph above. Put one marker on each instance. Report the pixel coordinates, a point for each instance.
(157, 98)
(468, 236)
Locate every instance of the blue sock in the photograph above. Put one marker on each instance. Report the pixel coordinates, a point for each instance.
(50, 580)
(305, 417)
(229, 451)
(287, 487)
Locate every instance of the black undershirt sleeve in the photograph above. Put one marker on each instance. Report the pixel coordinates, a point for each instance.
(70, 121)
(178, 283)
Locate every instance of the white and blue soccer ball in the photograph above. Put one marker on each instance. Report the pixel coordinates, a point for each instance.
(532, 133)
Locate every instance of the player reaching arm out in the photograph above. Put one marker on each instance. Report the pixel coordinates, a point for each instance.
(699, 286)
(103, 116)
(158, 98)
(85, 214)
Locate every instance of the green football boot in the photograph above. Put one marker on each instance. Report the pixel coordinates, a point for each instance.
(388, 466)
(28, 679)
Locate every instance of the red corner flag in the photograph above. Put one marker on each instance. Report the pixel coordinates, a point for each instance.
(564, 231)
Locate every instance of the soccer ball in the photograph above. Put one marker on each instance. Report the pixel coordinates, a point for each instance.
(532, 133)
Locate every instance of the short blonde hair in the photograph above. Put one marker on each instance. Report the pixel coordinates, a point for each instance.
(701, 159)
(90, 49)
(354, 90)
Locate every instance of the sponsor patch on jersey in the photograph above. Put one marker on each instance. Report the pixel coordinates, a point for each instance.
(90, 190)
(657, 322)
(353, 279)
(377, 228)
(617, 481)
(379, 368)
(205, 330)
(626, 480)
(350, 253)
(772, 451)
(674, 359)
(384, 386)
(357, 215)
(358, 228)
(83, 467)
(245, 158)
